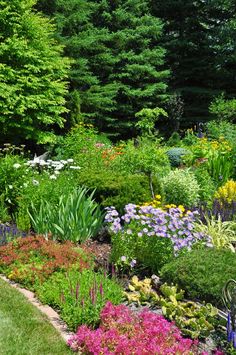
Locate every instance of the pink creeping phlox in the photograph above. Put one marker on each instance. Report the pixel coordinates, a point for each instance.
(124, 332)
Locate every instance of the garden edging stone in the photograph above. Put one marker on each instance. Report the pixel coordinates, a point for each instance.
(50, 313)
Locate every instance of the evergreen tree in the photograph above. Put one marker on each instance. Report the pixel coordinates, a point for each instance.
(32, 74)
(198, 36)
(118, 66)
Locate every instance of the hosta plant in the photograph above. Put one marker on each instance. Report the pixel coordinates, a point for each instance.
(194, 320)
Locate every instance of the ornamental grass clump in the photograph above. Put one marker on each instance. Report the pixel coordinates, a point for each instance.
(123, 332)
(150, 235)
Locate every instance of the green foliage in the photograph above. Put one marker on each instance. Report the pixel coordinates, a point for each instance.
(84, 145)
(113, 188)
(219, 129)
(205, 182)
(117, 67)
(32, 74)
(174, 139)
(220, 165)
(13, 176)
(80, 296)
(181, 188)
(147, 158)
(202, 273)
(199, 37)
(76, 217)
(194, 320)
(147, 118)
(224, 110)
(222, 234)
(191, 318)
(176, 155)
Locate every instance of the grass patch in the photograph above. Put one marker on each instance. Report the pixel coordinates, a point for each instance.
(24, 330)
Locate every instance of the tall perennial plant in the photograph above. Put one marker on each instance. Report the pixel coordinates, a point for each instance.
(150, 235)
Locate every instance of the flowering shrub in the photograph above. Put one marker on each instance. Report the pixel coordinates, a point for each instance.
(33, 259)
(123, 332)
(79, 296)
(150, 235)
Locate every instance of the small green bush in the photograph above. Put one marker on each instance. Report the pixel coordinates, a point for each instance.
(114, 188)
(80, 296)
(202, 273)
(206, 183)
(181, 188)
(176, 155)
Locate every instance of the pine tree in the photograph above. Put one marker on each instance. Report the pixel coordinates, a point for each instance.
(118, 64)
(32, 74)
(198, 36)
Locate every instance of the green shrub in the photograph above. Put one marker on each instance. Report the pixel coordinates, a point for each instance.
(115, 188)
(181, 188)
(84, 145)
(176, 155)
(80, 296)
(76, 217)
(202, 273)
(174, 139)
(147, 158)
(205, 182)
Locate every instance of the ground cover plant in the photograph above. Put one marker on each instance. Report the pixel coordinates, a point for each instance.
(79, 296)
(194, 320)
(24, 329)
(31, 260)
(123, 332)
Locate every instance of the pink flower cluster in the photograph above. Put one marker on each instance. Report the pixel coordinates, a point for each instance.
(124, 332)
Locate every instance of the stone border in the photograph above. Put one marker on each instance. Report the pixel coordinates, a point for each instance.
(52, 315)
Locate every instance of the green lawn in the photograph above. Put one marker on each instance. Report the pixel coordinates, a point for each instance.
(24, 330)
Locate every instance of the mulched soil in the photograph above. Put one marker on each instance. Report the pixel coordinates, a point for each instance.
(100, 250)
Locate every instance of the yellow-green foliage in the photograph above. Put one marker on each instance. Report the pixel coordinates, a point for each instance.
(193, 319)
(141, 291)
(227, 192)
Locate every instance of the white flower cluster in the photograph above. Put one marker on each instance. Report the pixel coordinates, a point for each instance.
(54, 165)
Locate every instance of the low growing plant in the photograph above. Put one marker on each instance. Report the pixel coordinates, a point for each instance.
(31, 260)
(79, 296)
(194, 320)
(123, 332)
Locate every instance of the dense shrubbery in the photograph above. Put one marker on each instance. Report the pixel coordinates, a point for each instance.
(202, 273)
